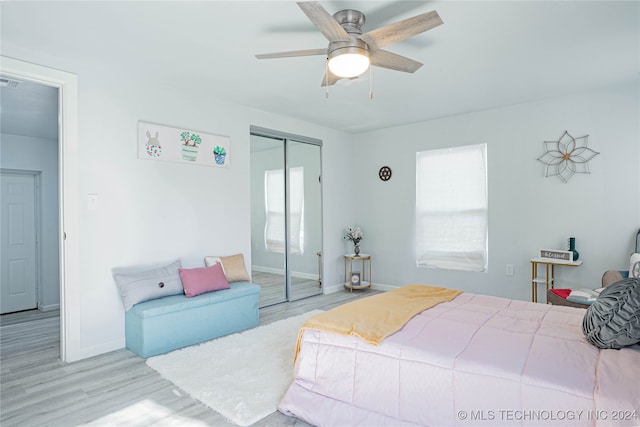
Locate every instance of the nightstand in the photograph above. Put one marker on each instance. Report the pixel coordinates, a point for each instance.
(548, 279)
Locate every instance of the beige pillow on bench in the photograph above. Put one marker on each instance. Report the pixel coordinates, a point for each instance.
(233, 267)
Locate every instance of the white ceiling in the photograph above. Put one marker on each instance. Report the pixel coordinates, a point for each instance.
(29, 109)
(486, 55)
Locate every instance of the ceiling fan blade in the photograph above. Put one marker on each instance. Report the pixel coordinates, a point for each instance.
(393, 61)
(292, 53)
(326, 23)
(329, 79)
(393, 33)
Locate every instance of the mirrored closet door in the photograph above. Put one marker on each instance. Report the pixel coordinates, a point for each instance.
(286, 216)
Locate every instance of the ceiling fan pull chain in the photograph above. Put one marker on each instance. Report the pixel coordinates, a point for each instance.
(326, 78)
(370, 82)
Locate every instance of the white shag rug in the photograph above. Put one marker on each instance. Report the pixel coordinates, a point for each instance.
(241, 376)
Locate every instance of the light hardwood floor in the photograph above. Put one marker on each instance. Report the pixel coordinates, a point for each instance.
(115, 389)
(273, 288)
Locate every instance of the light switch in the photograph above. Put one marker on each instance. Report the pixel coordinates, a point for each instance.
(92, 202)
(509, 270)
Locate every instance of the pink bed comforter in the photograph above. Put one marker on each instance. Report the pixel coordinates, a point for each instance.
(476, 360)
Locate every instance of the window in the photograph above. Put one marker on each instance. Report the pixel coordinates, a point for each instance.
(452, 208)
(274, 230)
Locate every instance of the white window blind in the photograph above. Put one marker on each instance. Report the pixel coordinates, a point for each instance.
(274, 230)
(452, 208)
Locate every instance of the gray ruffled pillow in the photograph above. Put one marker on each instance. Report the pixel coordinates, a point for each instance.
(613, 320)
(142, 283)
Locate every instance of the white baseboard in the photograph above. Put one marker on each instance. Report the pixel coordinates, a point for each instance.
(49, 307)
(340, 287)
(332, 289)
(267, 269)
(298, 274)
(86, 352)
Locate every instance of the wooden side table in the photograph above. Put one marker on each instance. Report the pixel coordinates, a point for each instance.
(548, 279)
(365, 280)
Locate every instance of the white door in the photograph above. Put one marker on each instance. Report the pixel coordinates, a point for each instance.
(18, 248)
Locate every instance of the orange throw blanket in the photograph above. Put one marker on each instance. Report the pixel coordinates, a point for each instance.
(376, 317)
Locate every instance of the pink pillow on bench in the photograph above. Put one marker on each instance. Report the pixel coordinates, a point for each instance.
(196, 281)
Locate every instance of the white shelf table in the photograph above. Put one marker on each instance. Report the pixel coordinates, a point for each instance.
(547, 279)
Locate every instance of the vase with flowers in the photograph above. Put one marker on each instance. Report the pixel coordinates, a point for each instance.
(354, 234)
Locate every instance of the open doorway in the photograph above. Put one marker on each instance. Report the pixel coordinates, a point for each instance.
(29, 199)
(67, 228)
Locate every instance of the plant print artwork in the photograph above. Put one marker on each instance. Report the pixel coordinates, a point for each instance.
(170, 144)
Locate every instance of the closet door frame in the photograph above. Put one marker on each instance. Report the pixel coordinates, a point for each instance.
(286, 138)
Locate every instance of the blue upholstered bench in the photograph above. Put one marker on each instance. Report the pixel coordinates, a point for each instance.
(164, 324)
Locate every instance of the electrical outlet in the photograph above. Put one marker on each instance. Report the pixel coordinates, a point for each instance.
(509, 270)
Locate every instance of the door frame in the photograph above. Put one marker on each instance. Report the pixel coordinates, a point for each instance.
(37, 213)
(285, 137)
(68, 202)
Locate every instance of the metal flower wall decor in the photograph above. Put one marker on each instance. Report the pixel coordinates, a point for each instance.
(567, 156)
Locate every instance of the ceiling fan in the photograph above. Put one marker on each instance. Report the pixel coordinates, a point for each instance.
(350, 51)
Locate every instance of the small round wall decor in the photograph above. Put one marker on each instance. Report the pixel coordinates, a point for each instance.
(385, 173)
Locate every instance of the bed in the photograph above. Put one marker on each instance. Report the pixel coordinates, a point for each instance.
(474, 360)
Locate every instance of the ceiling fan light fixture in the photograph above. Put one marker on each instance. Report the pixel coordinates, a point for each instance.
(348, 61)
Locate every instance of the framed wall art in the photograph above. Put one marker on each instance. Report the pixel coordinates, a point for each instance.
(182, 145)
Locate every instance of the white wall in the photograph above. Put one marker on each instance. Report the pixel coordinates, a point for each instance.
(150, 212)
(27, 153)
(527, 211)
(153, 211)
